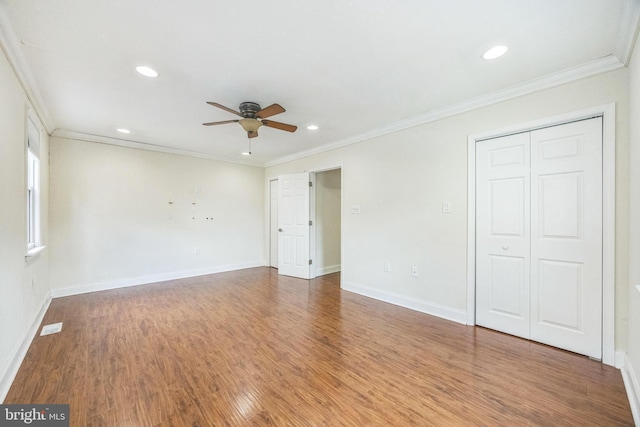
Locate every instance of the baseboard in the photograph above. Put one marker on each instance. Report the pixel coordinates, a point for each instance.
(632, 385)
(448, 313)
(152, 278)
(21, 351)
(328, 270)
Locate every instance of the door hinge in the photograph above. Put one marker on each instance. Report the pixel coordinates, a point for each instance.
(310, 262)
(310, 222)
(310, 184)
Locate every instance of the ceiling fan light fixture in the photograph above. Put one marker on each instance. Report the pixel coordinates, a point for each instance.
(495, 52)
(250, 125)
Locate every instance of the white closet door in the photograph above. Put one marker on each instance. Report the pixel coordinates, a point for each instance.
(566, 236)
(539, 235)
(502, 234)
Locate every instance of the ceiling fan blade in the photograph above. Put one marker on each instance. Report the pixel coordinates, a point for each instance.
(278, 125)
(271, 110)
(220, 123)
(215, 104)
(252, 134)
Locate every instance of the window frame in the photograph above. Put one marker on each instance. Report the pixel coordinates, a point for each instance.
(33, 188)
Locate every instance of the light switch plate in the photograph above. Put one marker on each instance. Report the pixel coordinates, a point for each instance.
(446, 207)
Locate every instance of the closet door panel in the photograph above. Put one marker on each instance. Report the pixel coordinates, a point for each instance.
(502, 234)
(566, 236)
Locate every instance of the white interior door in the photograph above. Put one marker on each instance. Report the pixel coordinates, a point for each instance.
(566, 236)
(539, 235)
(273, 223)
(502, 234)
(293, 225)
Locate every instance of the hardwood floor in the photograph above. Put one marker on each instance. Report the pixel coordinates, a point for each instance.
(252, 348)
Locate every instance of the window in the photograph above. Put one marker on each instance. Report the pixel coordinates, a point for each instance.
(33, 186)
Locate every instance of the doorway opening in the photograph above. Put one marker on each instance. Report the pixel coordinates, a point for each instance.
(322, 213)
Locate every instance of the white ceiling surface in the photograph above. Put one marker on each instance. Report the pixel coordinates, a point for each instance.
(351, 67)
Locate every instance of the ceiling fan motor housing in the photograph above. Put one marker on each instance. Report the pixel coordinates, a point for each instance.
(249, 109)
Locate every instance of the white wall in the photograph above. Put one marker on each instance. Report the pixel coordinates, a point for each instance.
(633, 346)
(328, 215)
(399, 181)
(122, 216)
(24, 287)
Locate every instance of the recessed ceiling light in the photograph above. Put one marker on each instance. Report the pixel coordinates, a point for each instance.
(146, 71)
(122, 130)
(246, 153)
(312, 127)
(495, 52)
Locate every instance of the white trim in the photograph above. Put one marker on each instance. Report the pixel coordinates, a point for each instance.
(628, 31)
(608, 233)
(312, 227)
(120, 142)
(444, 312)
(602, 65)
(33, 253)
(632, 386)
(327, 270)
(607, 112)
(471, 230)
(16, 359)
(152, 278)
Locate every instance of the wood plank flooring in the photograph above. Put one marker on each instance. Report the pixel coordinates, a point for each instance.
(252, 348)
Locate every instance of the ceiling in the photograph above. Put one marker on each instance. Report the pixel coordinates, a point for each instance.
(354, 68)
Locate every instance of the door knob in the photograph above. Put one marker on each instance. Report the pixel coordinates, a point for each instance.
(280, 230)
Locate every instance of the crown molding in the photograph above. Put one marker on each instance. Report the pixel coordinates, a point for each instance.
(11, 45)
(588, 69)
(628, 31)
(87, 137)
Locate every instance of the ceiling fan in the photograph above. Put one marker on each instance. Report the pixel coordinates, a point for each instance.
(253, 116)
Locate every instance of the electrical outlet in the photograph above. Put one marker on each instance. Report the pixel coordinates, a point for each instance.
(387, 266)
(414, 271)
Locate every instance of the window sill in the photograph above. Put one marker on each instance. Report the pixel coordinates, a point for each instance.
(33, 253)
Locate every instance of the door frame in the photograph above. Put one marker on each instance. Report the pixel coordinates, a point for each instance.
(272, 236)
(312, 214)
(607, 112)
